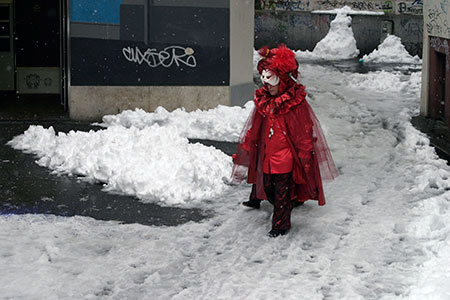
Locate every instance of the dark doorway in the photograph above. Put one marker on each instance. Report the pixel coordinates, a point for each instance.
(39, 61)
(439, 86)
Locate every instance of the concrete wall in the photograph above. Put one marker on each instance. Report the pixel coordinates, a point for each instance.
(303, 30)
(437, 18)
(90, 103)
(242, 15)
(401, 7)
(295, 22)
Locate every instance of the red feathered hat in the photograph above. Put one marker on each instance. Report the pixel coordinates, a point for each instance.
(280, 61)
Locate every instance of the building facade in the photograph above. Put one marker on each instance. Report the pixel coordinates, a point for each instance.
(435, 100)
(101, 57)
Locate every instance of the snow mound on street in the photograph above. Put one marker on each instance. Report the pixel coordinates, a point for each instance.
(154, 164)
(222, 123)
(339, 43)
(391, 50)
(386, 81)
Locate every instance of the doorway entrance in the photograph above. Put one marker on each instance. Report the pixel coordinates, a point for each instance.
(439, 81)
(33, 81)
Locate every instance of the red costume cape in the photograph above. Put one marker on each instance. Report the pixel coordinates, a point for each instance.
(306, 140)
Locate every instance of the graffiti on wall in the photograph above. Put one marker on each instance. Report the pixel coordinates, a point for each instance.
(436, 19)
(169, 56)
(287, 5)
(413, 8)
(358, 5)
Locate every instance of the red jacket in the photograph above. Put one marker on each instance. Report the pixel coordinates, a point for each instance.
(278, 157)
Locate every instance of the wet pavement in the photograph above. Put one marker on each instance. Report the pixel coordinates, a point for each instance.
(438, 133)
(26, 187)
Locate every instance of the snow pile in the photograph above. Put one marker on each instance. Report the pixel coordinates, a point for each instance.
(386, 81)
(222, 123)
(339, 43)
(431, 226)
(155, 164)
(347, 10)
(391, 50)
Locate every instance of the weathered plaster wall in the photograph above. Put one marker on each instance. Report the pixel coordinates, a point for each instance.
(296, 29)
(303, 30)
(291, 22)
(437, 19)
(90, 103)
(411, 7)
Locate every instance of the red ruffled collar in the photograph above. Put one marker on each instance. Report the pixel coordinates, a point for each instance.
(267, 104)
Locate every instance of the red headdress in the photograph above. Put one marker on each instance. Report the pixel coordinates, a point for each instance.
(281, 62)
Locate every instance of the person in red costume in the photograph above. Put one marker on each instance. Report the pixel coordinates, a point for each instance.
(282, 149)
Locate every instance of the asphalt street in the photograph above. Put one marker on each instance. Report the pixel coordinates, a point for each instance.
(26, 187)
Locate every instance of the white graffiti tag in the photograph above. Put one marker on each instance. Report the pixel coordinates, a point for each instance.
(167, 57)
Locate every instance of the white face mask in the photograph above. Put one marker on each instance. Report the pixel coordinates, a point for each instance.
(269, 77)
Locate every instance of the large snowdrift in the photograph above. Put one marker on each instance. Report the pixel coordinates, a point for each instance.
(154, 163)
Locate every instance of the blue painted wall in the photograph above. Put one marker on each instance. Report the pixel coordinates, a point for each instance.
(95, 11)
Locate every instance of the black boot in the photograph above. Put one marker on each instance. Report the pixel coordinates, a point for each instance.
(252, 203)
(277, 232)
(297, 204)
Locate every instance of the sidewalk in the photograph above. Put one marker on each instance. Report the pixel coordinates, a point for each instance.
(26, 187)
(438, 133)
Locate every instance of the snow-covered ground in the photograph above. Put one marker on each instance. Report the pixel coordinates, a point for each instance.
(382, 235)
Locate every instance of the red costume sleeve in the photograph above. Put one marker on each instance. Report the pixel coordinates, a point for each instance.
(302, 126)
(246, 148)
(309, 140)
(251, 137)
